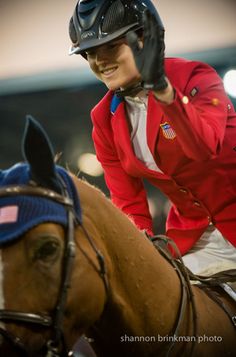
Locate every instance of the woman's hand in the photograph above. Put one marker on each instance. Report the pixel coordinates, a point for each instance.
(149, 55)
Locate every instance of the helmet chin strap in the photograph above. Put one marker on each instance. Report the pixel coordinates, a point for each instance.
(130, 91)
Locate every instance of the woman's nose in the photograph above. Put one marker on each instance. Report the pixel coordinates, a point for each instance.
(100, 56)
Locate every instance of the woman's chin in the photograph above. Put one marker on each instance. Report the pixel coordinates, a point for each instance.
(111, 86)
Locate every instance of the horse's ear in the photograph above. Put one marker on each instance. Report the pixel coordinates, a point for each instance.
(37, 151)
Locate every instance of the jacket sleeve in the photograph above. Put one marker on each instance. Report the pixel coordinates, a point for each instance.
(199, 113)
(126, 192)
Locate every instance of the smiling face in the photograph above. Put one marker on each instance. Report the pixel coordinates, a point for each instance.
(113, 63)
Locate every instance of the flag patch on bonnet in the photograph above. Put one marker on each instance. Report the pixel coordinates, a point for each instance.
(167, 131)
(8, 214)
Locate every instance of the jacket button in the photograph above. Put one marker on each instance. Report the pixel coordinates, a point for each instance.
(183, 190)
(197, 204)
(185, 100)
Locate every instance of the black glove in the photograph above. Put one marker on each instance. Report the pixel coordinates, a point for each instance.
(150, 58)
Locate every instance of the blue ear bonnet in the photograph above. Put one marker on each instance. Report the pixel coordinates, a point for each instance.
(18, 214)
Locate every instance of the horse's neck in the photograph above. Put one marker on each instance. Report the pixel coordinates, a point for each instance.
(142, 282)
(144, 291)
(144, 288)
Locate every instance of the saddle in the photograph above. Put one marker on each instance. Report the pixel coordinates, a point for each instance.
(212, 285)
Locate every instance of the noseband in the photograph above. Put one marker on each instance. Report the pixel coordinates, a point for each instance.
(55, 347)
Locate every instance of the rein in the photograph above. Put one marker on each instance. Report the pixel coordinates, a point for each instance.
(160, 242)
(55, 344)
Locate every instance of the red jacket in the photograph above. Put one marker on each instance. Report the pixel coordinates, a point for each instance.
(195, 149)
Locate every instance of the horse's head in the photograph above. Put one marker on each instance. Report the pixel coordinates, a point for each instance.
(39, 214)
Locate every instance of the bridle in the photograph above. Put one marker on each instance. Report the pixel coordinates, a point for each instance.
(55, 346)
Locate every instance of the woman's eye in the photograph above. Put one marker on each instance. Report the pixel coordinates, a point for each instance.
(114, 46)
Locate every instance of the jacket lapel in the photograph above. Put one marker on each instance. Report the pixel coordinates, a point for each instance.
(120, 128)
(154, 119)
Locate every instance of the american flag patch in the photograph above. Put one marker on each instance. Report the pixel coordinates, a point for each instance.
(167, 131)
(8, 214)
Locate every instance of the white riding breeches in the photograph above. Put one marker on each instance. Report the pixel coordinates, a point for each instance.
(211, 254)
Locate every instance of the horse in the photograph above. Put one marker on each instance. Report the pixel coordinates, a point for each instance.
(72, 264)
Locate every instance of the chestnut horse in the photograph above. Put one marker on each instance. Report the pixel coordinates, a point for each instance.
(83, 267)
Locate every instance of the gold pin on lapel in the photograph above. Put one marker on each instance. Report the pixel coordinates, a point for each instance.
(215, 101)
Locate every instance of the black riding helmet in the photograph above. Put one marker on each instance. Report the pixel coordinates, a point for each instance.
(96, 22)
